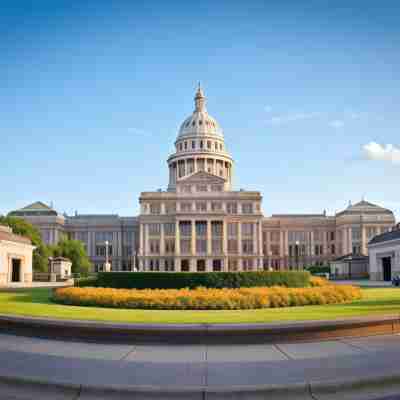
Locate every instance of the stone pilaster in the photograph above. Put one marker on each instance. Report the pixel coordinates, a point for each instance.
(177, 239)
(209, 244)
(193, 237)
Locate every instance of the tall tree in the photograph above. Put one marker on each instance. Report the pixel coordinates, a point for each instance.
(21, 227)
(75, 251)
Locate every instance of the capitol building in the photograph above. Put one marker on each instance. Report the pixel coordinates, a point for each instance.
(200, 223)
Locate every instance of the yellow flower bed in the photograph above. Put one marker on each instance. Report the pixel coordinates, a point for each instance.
(317, 281)
(206, 299)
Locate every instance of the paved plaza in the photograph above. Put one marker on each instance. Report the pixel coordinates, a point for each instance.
(211, 367)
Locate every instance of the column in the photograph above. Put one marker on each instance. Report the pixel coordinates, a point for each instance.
(255, 231)
(177, 239)
(162, 239)
(146, 239)
(349, 240)
(215, 166)
(193, 237)
(185, 170)
(363, 240)
(239, 238)
(325, 244)
(225, 238)
(195, 164)
(281, 248)
(260, 239)
(209, 248)
(141, 239)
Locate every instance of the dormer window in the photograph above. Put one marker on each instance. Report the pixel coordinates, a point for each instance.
(201, 144)
(193, 123)
(193, 144)
(209, 144)
(200, 122)
(185, 145)
(180, 146)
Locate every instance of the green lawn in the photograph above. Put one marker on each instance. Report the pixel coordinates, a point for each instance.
(36, 302)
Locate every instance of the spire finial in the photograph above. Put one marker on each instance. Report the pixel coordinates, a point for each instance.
(199, 99)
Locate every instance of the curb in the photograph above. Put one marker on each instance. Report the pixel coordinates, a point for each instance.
(365, 388)
(198, 333)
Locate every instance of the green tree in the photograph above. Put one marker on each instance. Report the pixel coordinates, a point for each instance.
(75, 251)
(21, 227)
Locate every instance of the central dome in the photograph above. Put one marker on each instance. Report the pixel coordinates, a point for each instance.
(200, 123)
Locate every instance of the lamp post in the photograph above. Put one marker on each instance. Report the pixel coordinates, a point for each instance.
(297, 254)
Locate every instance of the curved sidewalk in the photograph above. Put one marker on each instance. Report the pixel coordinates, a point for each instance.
(198, 333)
(353, 368)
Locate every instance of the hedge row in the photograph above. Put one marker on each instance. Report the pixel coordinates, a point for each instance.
(180, 280)
(206, 299)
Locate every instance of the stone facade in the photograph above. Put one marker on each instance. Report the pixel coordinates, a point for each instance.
(384, 256)
(201, 224)
(15, 258)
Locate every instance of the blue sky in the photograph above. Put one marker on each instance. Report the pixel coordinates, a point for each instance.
(92, 95)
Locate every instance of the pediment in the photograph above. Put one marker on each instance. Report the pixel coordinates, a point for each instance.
(202, 177)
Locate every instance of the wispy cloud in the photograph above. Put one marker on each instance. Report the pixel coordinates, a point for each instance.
(337, 124)
(292, 117)
(377, 152)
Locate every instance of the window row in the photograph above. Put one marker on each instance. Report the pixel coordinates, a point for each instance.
(201, 206)
(189, 145)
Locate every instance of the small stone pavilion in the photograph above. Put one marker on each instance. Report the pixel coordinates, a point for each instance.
(15, 258)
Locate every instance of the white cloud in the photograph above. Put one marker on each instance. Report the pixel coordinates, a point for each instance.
(337, 124)
(377, 152)
(292, 117)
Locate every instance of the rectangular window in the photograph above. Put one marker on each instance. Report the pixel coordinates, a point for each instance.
(201, 206)
(216, 206)
(154, 229)
(216, 188)
(247, 229)
(231, 208)
(185, 246)
(185, 228)
(201, 228)
(201, 265)
(216, 246)
(233, 265)
(216, 228)
(201, 246)
(169, 229)
(232, 229)
(170, 246)
(356, 234)
(154, 246)
(247, 208)
(247, 246)
(155, 208)
(186, 207)
(275, 249)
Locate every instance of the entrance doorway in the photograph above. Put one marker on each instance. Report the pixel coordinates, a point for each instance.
(387, 268)
(16, 270)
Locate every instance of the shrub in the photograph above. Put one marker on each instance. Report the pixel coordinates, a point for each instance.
(316, 269)
(180, 280)
(317, 281)
(206, 299)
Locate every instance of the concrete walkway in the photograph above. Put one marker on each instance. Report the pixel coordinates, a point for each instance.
(313, 370)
